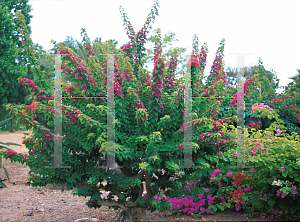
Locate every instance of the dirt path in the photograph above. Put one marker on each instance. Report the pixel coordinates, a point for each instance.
(54, 204)
(15, 137)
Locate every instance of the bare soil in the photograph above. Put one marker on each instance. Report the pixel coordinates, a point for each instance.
(53, 203)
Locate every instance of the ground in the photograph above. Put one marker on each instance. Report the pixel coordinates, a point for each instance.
(54, 204)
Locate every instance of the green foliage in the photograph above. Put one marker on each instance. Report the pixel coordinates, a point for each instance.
(250, 71)
(10, 69)
(296, 79)
(266, 177)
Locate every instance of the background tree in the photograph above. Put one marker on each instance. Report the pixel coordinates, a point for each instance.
(296, 79)
(12, 65)
(249, 71)
(293, 89)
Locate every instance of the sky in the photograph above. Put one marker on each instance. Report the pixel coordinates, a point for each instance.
(266, 29)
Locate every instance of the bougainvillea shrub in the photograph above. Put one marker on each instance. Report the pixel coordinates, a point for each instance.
(149, 126)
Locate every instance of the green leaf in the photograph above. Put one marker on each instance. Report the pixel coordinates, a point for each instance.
(143, 166)
(246, 133)
(271, 202)
(3, 185)
(6, 173)
(221, 207)
(224, 130)
(35, 77)
(51, 143)
(260, 204)
(228, 204)
(211, 126)
(9, 143)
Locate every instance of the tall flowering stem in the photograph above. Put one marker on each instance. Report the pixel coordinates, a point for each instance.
(195, 64)
(170, 73)
(135, 49)
(216, 80)
(88, 50)
(28, 52)
(157, 83)
(198, 66)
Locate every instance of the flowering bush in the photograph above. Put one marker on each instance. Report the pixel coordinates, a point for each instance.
(285, 104)
(255, 191)
(149, 112)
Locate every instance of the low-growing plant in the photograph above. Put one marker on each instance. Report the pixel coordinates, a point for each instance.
(9, 151)
(267, 189)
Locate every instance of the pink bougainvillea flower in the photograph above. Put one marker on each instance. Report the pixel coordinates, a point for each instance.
(252, 123)
(282, 168)
(278, 192)
(294, 192)
(207, 190)
(278, 131)
(293, 187)
(201, 195)
(229, 173)
(258, 144)
(264, 150)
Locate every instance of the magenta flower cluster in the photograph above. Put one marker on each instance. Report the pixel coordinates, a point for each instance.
(246, 89)
(80, 71)
(10, 153)
(158, 73)
(216, 171)
(169, 80)
(188, 206)
(29, 83)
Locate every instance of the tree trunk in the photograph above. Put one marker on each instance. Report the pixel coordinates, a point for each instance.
(12, 125)
(134, 214)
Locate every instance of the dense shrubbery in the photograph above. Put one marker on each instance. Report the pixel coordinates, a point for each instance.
(267, 189)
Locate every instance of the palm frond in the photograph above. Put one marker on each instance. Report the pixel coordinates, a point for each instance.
(80, 51)
(28, 99)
